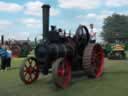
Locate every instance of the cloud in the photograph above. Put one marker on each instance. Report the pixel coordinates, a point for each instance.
(116, 3)
(96, 18)
(10, 7)
(34, 8)
(82, 4)
(91, 15)
(5, 24)
(99, 17)
(54, 12)
(88, 16)
(31, 22)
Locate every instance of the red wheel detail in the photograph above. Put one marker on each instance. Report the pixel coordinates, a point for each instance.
(16, 50)
(98, 60)
(93, 60)
(62, 72)
(29, 71)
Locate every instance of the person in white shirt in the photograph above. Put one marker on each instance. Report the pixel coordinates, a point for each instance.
(92, 34)
(9, 57)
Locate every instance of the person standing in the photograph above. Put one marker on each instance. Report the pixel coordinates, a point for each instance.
(9, 57)
(92, 34)
(3, 55)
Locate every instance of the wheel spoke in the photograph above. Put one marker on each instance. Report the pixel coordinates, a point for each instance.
(33, 64)
(26, 65)
(35, 67)
(30, 77)
(25, 73)
(30, 61)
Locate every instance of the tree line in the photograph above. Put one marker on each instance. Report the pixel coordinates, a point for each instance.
(115, 27)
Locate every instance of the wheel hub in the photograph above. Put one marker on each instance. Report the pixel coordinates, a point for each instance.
(30, 70)
(61, 72)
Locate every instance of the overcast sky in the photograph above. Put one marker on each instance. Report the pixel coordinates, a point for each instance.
(20, 19)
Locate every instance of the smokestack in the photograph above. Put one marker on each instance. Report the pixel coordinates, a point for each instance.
(2, 39)
(45, 13)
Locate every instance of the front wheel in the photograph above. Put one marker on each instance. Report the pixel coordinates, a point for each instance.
(61, 72)
(29, 71)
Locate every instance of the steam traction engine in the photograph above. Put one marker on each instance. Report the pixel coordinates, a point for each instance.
(64, 54)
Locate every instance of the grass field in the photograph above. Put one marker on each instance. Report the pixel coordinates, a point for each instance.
(114, 82)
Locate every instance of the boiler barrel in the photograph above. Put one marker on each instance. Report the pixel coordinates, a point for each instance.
(60, 50)
(53, 51)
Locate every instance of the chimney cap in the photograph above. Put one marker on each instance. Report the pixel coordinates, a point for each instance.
(46, 6)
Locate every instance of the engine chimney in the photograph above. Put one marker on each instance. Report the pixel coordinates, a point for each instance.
(45, 13)
(2, 39)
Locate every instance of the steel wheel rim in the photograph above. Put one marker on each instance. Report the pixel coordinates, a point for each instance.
(97, 61)
(30, 71)
(64, 74)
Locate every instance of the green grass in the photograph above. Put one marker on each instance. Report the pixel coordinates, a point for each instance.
(114, 82)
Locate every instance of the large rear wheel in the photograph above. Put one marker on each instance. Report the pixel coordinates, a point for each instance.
(93, 60)
(29, 71)
(61, 72)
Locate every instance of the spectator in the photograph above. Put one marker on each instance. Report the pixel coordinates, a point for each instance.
(9, 56)
(3, 55)
(92, 34)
